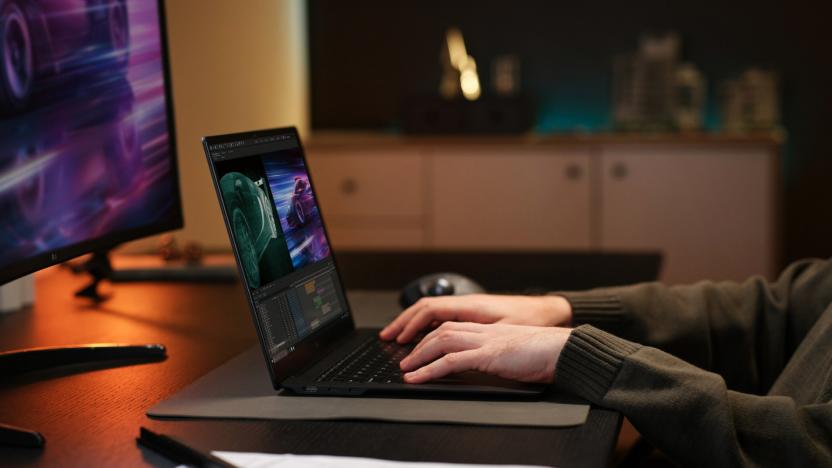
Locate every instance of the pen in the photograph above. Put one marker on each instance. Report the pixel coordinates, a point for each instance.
(177, 451)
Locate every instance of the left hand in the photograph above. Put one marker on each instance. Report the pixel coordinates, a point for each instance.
(517, 352)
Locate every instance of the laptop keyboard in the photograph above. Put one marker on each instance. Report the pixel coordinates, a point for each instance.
(373, 361)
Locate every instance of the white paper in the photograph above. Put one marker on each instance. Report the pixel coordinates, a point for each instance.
(271, 460)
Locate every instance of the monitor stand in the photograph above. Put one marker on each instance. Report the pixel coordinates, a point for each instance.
(29, 360)
(99, 267)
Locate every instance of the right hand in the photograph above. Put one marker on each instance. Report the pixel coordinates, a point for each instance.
(516, 352)
(542, 311)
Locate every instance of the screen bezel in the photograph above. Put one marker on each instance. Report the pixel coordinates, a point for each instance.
(108, 241)
(314, 344)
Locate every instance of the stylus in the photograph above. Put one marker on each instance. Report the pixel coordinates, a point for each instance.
(178, 452)
(11, 435)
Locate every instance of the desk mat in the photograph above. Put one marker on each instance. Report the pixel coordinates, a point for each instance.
(241, 389)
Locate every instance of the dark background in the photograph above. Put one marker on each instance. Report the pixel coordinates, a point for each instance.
(368, 57)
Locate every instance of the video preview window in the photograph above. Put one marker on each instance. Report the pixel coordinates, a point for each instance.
(297, 208)
(273, 214)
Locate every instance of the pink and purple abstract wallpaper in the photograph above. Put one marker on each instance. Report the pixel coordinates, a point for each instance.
(85, 149)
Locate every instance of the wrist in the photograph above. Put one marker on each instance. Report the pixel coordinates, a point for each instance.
(558, 310)
(561, 337)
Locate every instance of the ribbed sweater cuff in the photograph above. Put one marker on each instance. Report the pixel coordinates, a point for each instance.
(594, 308)
(590, 361)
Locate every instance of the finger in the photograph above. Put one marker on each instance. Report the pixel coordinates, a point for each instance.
(395, 327)
(446, 343)
(447, 364)
(441, 310)
(446, 328)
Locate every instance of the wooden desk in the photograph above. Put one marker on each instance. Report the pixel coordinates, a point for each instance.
(91, 418)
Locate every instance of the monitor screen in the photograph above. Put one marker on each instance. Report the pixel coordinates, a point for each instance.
(279, 238)
(87, 151)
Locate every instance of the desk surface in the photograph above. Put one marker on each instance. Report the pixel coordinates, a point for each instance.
(91, 418)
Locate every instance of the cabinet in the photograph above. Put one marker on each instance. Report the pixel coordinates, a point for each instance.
(709, 203)
(710, 208)
(371, 199)
(510, 198)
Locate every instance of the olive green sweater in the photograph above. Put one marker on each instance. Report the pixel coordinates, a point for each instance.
(713, 374)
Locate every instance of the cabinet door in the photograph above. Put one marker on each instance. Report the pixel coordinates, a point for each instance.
(709, 209)
(371, 199)
(510, 198)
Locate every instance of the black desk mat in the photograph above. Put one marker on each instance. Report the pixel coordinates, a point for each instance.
(240, 389)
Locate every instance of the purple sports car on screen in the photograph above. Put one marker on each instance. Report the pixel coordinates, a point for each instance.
(51, 40)
(302, 207)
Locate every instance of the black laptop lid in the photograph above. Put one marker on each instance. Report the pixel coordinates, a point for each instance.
(281, 245)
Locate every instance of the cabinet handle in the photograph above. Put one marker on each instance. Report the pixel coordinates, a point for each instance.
(619, 171)
(573, 172)
(349, 186)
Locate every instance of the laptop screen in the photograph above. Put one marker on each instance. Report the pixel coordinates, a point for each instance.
(279, 238)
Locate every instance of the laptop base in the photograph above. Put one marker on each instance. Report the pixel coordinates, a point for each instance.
(464, 384)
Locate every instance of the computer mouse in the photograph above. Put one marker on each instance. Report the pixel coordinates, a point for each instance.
(438, 284)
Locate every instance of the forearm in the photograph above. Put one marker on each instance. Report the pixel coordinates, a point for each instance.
(712, 426)
(743, 331)
(671, 319)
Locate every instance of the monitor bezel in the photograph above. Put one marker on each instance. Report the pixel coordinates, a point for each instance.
(320, 340)
(103, 243)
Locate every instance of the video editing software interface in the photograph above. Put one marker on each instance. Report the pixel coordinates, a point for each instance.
(279, 237)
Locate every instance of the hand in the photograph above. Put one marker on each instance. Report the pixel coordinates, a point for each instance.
(516, 352)
(541, 311)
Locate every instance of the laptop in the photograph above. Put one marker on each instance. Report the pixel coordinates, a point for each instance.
(303, 318)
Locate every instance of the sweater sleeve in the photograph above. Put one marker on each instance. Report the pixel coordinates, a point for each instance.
(718, 427)
(745, 332)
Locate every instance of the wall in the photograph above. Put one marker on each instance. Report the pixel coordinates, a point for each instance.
(388, 51)
(385, 51)
(233, 68)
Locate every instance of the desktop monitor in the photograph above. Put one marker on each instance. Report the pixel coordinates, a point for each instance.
(87, 148)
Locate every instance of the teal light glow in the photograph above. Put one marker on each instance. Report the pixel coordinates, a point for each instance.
(562, 117)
